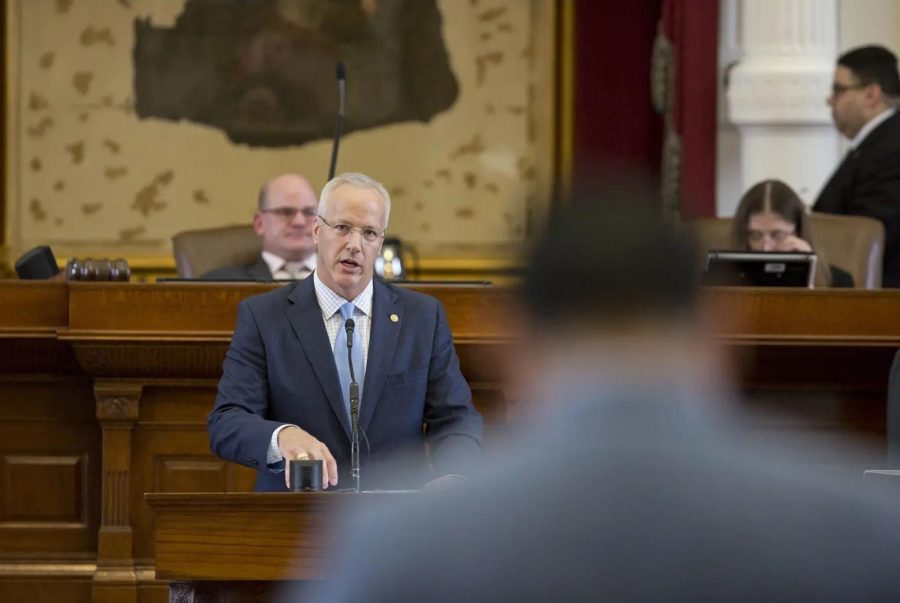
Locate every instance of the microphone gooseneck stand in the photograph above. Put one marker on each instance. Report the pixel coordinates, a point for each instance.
(349, 325)
(339, 120)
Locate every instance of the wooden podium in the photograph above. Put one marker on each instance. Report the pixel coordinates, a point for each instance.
(243, 546)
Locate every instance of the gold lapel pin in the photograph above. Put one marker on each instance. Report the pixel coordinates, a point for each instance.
(395, 318)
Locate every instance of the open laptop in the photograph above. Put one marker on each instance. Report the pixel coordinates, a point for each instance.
(759, 269)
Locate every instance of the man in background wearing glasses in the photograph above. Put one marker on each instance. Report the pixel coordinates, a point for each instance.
(283, 394)
(867, 183)
(284, 220)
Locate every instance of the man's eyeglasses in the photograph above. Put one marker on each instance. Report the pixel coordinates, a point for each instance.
(288, 213)
(839, 89)
(369, 235)
(779, 236)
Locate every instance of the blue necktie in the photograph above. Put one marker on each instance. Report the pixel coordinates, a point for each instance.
(340, 356)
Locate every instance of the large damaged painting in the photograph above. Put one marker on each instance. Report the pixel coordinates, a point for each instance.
(131, 120)
(263, 72)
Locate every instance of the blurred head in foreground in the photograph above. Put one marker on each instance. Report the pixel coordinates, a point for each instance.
(630, 486)
(610, 289)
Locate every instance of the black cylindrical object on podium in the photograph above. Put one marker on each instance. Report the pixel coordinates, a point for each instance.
(306, 475)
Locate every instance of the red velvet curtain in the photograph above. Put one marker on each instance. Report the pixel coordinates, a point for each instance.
(615, 124)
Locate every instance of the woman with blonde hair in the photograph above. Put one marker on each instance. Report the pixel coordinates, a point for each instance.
(772, 217)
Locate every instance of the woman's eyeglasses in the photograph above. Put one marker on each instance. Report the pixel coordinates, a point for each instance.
(779, 236)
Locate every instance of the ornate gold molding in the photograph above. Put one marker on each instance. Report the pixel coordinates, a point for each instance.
(566, 90)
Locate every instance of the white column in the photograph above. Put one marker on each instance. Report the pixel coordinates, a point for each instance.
(777, 91)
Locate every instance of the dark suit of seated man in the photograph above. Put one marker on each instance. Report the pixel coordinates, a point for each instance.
(284, 391)
(867, 183)
(284, 219)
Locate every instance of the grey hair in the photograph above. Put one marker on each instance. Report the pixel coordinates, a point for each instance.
(357, 180)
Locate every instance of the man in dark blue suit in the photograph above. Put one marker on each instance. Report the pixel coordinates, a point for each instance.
(281, 395)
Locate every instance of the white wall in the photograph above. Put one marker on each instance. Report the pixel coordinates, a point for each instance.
(869, 22)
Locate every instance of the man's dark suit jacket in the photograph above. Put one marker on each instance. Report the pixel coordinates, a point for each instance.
(257, 271)
(867, 183)
(280, 369)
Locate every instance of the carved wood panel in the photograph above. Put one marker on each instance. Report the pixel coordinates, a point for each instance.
(42, 488)
(49, 468)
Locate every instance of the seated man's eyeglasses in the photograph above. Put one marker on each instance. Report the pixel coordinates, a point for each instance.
(779, 236)
(369, 235)
(288, 213)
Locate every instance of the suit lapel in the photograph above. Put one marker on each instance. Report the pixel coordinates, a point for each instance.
(382, 341)
(259, 270)
(305, 316)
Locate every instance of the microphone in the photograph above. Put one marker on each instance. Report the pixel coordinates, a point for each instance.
(349, 325)
(339, 120)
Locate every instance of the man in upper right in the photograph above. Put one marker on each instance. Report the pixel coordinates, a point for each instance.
(863, 102)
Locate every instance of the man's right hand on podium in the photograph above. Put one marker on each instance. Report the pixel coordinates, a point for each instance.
(295, 443)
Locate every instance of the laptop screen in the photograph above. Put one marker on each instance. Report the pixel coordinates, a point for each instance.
(759, 269)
